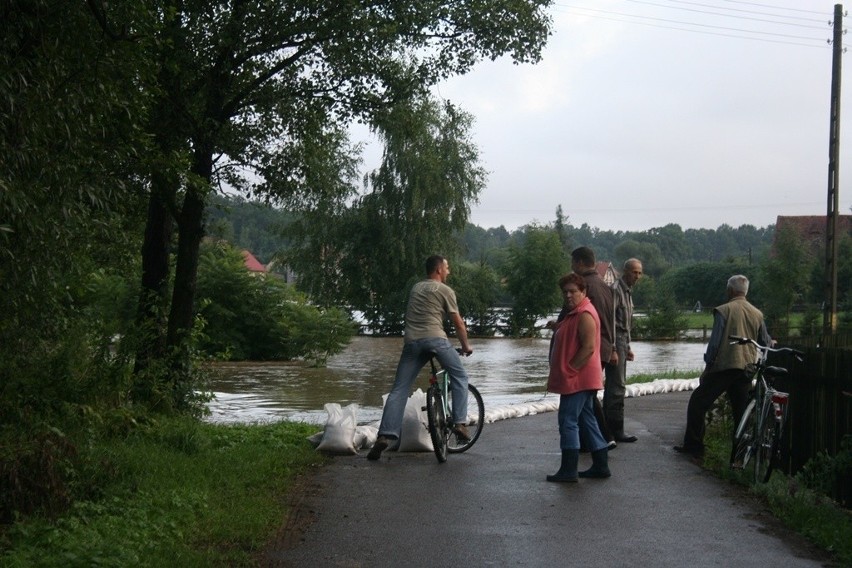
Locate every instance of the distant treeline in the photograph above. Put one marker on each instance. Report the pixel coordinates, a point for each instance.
(259, 228)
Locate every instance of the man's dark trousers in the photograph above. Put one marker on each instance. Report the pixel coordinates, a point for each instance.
(735, 382)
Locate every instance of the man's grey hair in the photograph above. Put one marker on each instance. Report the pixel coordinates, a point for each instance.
(630, 262)
(738, 284)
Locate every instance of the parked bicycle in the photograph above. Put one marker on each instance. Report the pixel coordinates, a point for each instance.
(758, 435)
(439, 406)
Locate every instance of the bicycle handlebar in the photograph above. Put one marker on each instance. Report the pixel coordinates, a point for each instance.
(799, 355)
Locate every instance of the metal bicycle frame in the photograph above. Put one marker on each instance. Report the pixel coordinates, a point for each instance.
(441, 377)
(769, 404)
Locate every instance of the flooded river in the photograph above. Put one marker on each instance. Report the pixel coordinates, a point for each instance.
(506, 371)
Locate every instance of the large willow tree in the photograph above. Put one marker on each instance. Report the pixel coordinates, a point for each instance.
(414, 205)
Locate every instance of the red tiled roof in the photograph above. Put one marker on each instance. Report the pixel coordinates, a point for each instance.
(811, 228)
(252, 263)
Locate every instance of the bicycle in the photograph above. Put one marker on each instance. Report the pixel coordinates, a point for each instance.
(438, 409)
(758, 434)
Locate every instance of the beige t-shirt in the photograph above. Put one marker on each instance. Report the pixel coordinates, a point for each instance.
(429, 304)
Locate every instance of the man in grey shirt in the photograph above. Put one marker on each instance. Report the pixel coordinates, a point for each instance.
(430, 303)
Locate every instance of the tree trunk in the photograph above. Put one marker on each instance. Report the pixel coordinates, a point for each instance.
(182, 314)
(153, 296)
(190, 233)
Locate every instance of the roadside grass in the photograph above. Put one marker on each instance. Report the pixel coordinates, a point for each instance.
(809, 513)
(177, 493)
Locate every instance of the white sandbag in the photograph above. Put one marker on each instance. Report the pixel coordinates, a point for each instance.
(365, 436)
(339, 435)
(414, 436)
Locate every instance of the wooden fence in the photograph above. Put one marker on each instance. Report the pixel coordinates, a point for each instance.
(820, 411)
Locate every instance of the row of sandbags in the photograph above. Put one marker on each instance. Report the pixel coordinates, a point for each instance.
(343, 435)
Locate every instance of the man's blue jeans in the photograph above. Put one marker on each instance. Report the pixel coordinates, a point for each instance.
(577, 418)
(415, 354)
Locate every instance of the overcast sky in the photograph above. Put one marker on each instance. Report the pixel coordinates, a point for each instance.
(644, 113)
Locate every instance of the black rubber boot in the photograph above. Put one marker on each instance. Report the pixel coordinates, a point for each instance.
(568, 471)
(600, 466)
(617, 429)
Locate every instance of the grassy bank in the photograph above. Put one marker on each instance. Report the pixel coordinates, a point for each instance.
(671, 374)
(176, 493)
(803, 509)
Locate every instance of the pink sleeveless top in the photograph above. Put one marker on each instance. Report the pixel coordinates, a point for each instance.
(563, 378)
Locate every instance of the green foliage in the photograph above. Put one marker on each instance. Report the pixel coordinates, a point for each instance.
(638, 378)
(532, 272)
(68, 204)
(664, 319)
(251, 225)
(370, 254)
(831, 475)
(177, 492)
(704, 282)
(784, 280)
(477, 288)
(317, 334)
(260, 317)
(654, 264)
(236, 104)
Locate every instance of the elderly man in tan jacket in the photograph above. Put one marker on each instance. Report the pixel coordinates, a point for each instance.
(725, 363)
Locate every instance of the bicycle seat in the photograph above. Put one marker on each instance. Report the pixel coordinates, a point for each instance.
(773, 372)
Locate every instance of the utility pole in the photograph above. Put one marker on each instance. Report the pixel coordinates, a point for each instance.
(831, 245)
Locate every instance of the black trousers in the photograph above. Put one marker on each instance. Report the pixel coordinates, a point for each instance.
(735, 382)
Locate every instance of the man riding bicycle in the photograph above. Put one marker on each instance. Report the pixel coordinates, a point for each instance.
(430, 303)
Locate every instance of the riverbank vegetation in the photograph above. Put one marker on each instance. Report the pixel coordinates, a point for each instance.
(801, 502)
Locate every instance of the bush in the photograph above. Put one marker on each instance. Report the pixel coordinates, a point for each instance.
(260, 317)
(831, 475)
(664, 319)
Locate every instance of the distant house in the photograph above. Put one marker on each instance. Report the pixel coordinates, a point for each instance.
(607, 271)
(811, 230)
(252, 263)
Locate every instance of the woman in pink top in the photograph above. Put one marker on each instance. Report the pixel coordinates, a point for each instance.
(575, 374)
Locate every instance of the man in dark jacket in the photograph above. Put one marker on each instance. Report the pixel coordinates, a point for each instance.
(583, 263)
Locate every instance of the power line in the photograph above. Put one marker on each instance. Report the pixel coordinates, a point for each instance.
(724, 15)
(718, 30)
(771, 6)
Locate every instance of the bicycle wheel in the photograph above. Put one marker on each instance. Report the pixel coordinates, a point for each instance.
(766, 450)
(438, 428)
(475, 421)
(744, 437)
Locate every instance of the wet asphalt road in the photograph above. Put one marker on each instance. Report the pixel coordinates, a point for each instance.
(491, 506)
